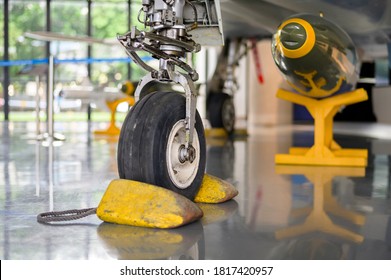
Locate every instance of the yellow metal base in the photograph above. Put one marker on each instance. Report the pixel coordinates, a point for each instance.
(134, 203)
(325, 150)
(327, 157)
(323, 203)
(113, 130)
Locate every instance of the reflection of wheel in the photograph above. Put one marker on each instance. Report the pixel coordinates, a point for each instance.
(221, 111)
(151, 146)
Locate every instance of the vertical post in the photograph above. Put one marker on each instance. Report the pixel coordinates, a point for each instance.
(319, 128)
(50, 122)
(89, 33)
(89, 50)
(49, 137)
(37, 169)
(48, 25)
(329, 121)
(6, 81)
(7, 190)
(50, 176)
(207, 82)
(48, 28)
(37, 105)
(129, 25)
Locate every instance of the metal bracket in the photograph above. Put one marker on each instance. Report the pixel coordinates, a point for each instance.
(135, 40)
(143, 82)
(191, 99)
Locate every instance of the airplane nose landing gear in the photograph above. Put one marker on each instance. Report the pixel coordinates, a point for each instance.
(162, 140)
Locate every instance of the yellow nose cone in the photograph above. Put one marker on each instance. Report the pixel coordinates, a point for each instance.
(295, 38)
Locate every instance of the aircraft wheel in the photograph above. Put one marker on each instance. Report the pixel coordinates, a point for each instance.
(151, 146)
(221, 111)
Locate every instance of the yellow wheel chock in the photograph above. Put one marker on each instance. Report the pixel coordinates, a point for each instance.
(134, 203)
(215, 190)
(325, 150)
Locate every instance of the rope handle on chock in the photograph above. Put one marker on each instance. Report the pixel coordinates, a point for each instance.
(63, 216)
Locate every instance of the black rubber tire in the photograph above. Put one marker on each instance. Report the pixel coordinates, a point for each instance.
(221, 111)
(143, 142)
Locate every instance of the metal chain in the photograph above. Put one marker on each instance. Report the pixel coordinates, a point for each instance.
(63, 216)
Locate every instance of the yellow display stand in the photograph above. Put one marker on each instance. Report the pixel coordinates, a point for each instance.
(325, 150)
(323, 203)
(113, 129)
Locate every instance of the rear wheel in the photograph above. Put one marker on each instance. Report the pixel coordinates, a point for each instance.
(221, 111)
(151, 146)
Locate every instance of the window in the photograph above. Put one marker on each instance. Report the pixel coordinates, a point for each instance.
(24, 16)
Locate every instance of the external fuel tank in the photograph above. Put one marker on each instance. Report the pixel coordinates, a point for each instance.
(317, 58)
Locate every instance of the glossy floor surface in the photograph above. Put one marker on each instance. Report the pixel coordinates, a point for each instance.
(281, 212)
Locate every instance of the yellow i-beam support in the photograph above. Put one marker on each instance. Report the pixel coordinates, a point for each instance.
(113, 129)
(325, 150)
(318, 219)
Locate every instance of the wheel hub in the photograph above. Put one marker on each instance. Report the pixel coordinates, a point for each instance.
(182, 162)
(186, 154)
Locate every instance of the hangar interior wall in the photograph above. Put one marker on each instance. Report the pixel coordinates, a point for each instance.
(265, 109)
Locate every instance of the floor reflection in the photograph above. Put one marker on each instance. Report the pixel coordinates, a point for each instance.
(312, 248)
(324, 204)
(280, 212)
(216, 213)
(137, 243)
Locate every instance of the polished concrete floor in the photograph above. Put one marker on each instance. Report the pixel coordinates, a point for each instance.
(281, 212)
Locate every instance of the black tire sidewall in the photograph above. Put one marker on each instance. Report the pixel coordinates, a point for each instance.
(146, 156)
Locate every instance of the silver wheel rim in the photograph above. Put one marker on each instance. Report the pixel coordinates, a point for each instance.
(181, 174)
